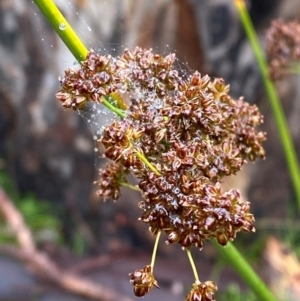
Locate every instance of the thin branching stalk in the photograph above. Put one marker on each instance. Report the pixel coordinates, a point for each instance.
(282, 125)
(74, 44)
(145, 160)
(133, 187)
(155, 249)
(188, 252)
(111, 107)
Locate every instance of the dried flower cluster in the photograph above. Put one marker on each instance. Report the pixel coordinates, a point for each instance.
(102, 75)
(110, 179)
(142, 281)
(283, 47)
(203, 291)
(180, 138)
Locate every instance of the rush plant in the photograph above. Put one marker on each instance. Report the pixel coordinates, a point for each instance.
(180, 136)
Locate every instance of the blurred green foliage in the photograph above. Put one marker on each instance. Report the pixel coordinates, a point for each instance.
(78, 243)
(234, 293)
(39, 215)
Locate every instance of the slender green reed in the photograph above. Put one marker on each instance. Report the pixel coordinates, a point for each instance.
(282, 125)
(232, 255)
(63, 28)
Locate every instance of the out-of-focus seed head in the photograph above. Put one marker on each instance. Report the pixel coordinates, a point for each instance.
(283, 47)
(142, 281)
(110, 179)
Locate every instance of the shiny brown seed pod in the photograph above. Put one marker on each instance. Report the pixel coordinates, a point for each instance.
(142, 281)
(202, 291)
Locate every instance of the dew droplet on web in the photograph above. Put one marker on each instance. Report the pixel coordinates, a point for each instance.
(89, 28)
(157, 103)
(62, 26)
(97, 117)
(95, 149)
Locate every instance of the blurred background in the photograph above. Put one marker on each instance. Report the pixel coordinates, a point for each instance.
(48, 161)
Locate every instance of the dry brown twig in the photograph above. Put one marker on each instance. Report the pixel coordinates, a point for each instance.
(43, 264)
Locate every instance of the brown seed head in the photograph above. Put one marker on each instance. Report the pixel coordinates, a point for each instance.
(109, 181)
(203, 291)
(188, 129)
(142, 281)
(283, 47)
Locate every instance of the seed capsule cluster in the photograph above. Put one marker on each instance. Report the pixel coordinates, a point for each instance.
(193, 136)
(180, 137)
(110, 179)
(102, 75)
(143, 281)
(203, 291)
(190, 219)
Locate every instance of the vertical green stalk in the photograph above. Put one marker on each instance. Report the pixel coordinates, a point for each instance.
(282, 125)
(77, 48)
(246, 272)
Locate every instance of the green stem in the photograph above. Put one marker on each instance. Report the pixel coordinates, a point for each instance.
(188, 252)
(236, 260)
(145, 160)
(130, 186)
(69, 37)
(282, 125)
(155, 249)
(119, 112)
(63, 28)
